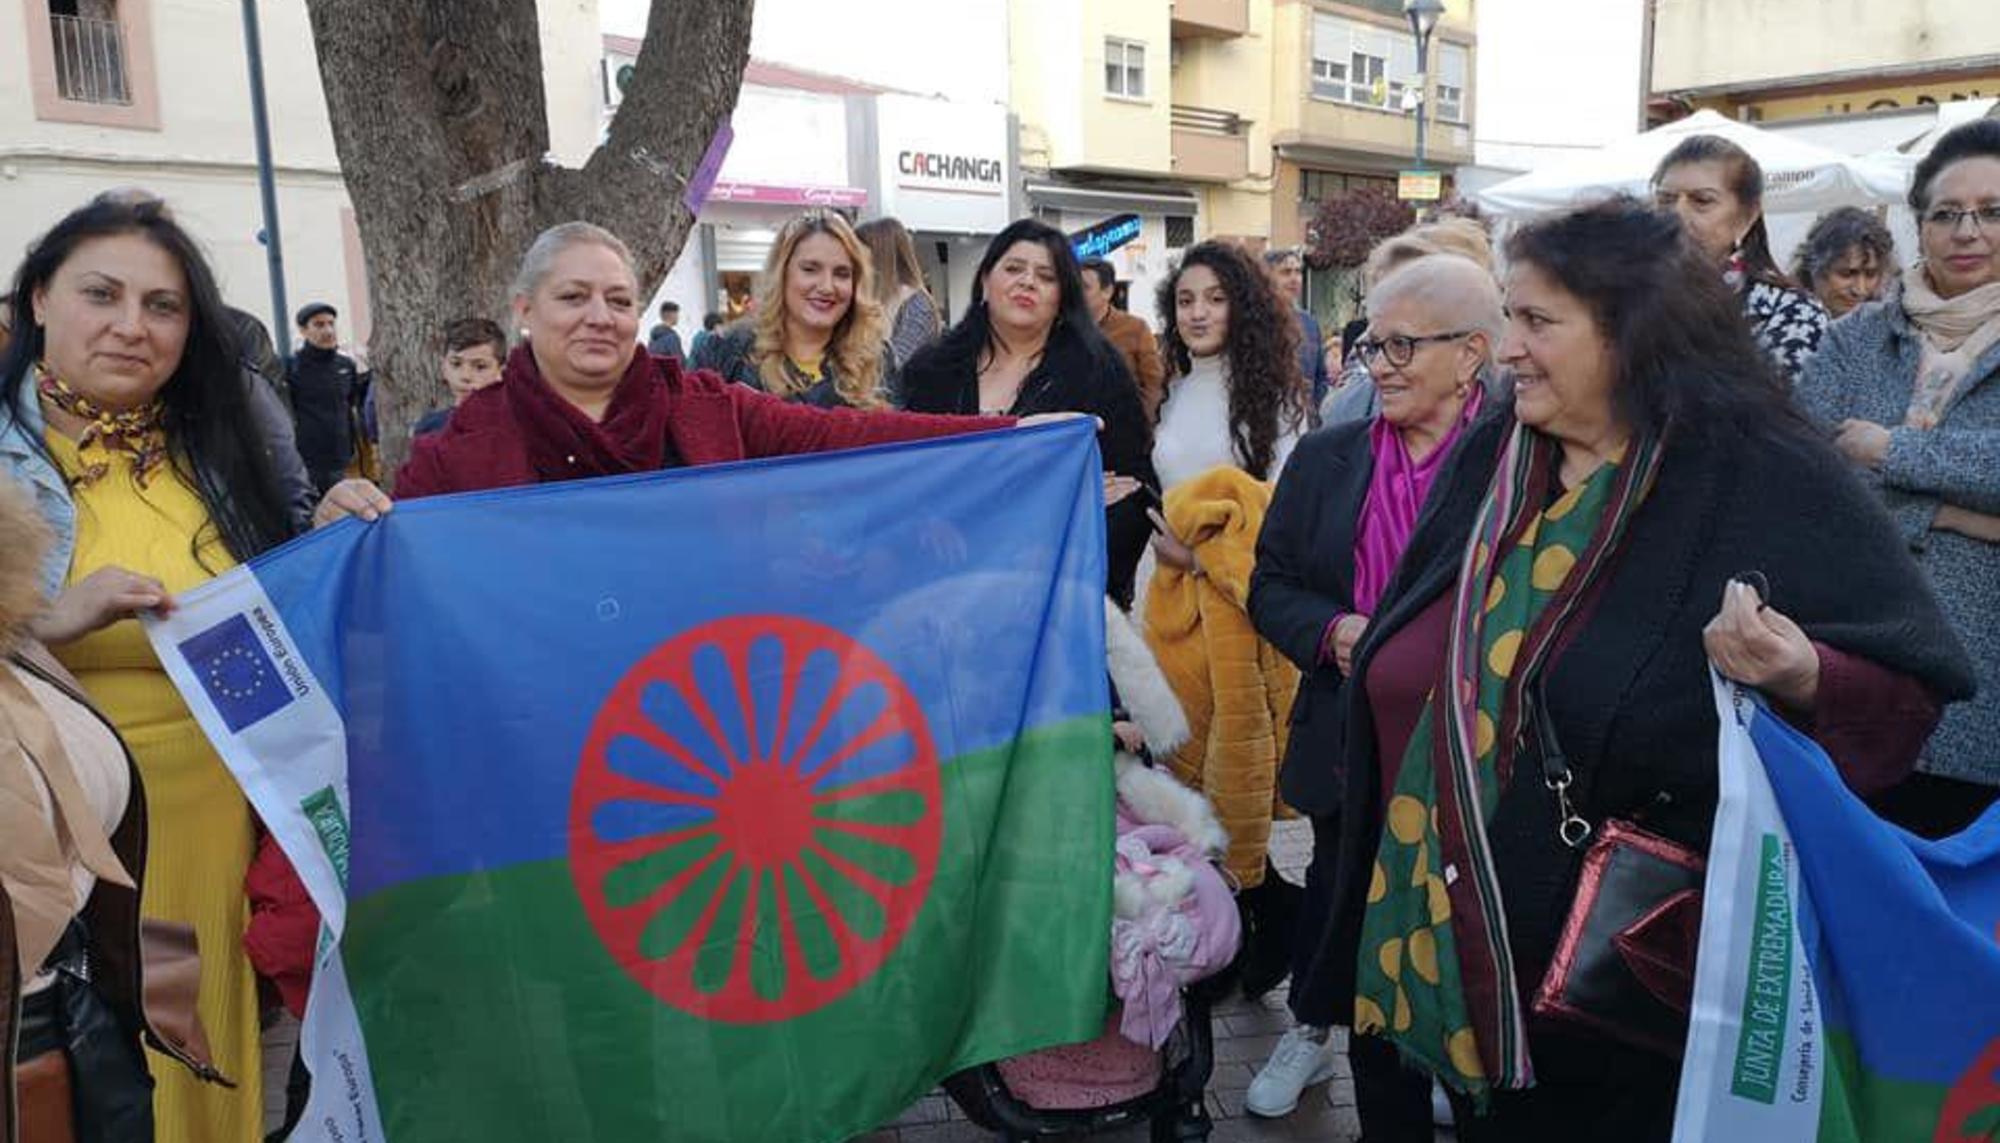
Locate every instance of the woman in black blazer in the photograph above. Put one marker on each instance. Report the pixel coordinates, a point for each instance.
(1027, 345)
(1338, 522)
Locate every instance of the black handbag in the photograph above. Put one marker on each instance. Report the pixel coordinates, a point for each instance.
(113, 1089)
(1624, 966)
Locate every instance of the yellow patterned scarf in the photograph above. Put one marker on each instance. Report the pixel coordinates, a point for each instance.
(135, 432)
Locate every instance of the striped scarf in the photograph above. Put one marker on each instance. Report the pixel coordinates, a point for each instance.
(1436, 975)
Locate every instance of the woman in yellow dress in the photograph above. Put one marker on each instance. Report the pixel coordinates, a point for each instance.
(157, 462)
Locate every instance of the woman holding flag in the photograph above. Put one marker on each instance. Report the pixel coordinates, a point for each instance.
(1534, 683)
(157, 463)
(578, 399)
(1028, 346)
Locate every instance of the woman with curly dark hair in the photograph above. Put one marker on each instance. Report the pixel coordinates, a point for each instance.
(1234, 394)
(1235, 407)
(1846, 260)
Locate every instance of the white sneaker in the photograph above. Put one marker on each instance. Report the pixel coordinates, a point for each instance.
(1296, 1064)
(1441, 1114)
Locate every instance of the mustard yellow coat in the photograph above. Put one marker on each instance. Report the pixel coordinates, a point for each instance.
(1236, 688)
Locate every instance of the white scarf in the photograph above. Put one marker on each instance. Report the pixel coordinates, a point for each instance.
(1956, 333)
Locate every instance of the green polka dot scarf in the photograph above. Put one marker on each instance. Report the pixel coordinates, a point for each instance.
(1435, 974)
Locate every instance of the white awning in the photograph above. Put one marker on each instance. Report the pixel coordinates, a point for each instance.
(1798, 176)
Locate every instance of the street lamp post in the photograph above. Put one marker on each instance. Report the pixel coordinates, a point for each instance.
(267, 187)
(1423, 16)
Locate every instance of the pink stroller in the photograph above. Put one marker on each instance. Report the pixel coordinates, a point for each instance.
(1175, 926)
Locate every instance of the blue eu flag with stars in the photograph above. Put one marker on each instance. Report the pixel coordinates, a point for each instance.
(236, 672)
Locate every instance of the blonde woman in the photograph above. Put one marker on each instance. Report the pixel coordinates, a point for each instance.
(910, 311)
(816, 335)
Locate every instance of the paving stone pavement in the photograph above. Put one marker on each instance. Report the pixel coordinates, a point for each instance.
(1245, 1032)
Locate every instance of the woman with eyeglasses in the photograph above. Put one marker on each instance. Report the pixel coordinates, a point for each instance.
(1646, 503)
(1911, 388)
(1717, 190)
(1339, 521)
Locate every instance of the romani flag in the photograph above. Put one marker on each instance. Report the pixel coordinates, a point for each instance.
(1848, 986)
(733, 803)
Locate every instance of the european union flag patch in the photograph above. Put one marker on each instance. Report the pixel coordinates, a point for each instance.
(236, 672)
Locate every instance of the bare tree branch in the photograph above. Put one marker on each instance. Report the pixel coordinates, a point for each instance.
(441, 125)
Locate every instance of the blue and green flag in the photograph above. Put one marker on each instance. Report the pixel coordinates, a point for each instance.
(733, 803)
(1848, 987)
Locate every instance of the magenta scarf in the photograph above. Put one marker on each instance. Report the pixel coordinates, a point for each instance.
(1396, 493)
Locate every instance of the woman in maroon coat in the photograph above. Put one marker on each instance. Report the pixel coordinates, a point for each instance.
(579, 399)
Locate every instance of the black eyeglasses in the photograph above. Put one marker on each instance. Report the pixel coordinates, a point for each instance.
(1951, 218)
(1401, 350)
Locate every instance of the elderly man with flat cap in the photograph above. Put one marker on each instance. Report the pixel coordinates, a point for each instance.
(327, 391)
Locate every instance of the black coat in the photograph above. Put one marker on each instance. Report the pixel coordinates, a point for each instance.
(1079, 373)
(1304, 577)
(1629, 695)
(326, 389)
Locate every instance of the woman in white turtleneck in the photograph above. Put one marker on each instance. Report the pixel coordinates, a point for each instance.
(1235, 400)
(1235, 396)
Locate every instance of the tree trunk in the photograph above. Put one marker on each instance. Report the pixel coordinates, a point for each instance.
(441, 129)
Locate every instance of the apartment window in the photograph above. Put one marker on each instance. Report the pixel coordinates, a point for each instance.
(1321, 186)
(1180, 231)
(1124, 69)
(1316, 187)
(91, 61)
(1360, 63)
(89, 46)
(1454, 63)
(1329, 78)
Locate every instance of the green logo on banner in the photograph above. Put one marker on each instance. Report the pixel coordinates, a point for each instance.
(1767, 995)
(323, 811)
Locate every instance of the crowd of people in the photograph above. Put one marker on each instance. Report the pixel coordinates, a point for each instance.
(1450, 586)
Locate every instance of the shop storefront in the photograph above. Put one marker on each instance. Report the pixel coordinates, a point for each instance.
(946, 171)
(790, 154)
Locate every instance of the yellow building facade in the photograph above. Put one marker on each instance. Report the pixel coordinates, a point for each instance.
(1340, 71)
(1224, 118)
(1778, 60)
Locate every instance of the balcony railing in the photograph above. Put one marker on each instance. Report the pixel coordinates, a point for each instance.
(1207, 120)
(90, 60)
(1210, 145)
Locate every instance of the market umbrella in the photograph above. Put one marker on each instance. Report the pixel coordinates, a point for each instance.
(1901, 160)
(1798, 176)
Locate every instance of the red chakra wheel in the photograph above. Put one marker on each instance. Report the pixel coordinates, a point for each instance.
(756, 819)
(1972, 1108)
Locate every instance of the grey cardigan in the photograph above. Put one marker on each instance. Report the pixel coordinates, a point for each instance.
(1866, 368)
